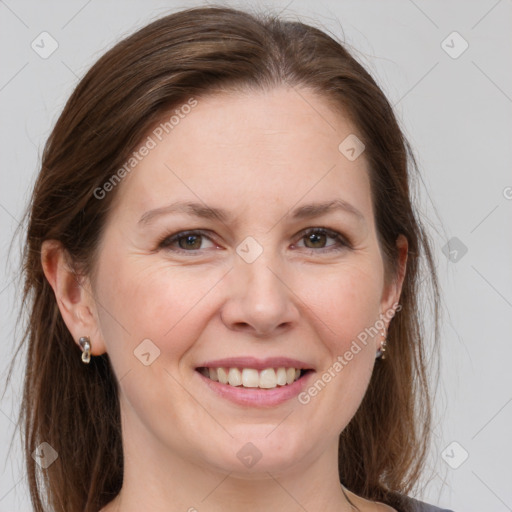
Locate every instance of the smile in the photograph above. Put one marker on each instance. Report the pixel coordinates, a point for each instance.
(255, 382)
(268, 378)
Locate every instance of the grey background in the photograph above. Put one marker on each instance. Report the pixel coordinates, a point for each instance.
(456, 113)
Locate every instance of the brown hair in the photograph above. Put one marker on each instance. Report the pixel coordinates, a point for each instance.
(74, 407)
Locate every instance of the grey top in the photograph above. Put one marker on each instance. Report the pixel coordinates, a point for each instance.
(420, 506)
(425, 507)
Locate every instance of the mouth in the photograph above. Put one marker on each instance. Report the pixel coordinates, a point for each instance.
(248, 381)
(252, 378)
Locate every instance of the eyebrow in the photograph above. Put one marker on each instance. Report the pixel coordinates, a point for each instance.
(202, 211)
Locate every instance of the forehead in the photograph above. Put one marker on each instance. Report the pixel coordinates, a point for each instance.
(242, 149)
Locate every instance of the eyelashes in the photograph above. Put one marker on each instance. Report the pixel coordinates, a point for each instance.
(191, 241)
(312, 235)
(190, 238)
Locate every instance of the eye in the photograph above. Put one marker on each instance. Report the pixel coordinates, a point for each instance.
(316, 238)
(188, 241)
(315, 241)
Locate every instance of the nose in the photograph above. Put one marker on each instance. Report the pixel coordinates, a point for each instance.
(259, 300)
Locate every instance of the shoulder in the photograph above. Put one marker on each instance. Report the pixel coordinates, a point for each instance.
(381, 507)
(421, 506)
(407, 504)
(365, 505)
(425, 507)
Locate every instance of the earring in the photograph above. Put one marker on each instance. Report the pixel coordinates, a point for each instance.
(382, 349)
(85, 343)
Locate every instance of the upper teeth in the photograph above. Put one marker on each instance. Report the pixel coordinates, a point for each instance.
(250, 378)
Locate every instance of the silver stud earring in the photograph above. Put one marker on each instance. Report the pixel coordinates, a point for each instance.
(382, 349)
(85, 344)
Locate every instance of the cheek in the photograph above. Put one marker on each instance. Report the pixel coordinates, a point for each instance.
(143, 299)
(343, 311)
(345, 302)
(151, 300)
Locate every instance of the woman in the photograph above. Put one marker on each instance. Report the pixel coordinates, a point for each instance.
(222, 268)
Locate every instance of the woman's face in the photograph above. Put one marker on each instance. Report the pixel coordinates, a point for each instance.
(251, 288)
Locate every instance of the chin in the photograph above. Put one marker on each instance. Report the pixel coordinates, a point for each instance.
(257, 452)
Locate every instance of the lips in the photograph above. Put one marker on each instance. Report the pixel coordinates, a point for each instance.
(249, 372)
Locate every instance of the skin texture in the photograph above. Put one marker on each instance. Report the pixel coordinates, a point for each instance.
(258, 155)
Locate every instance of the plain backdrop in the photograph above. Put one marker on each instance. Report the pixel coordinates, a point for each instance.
(446, 67)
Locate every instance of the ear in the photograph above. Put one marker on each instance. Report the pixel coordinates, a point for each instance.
(392, 292)
(73, 294)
